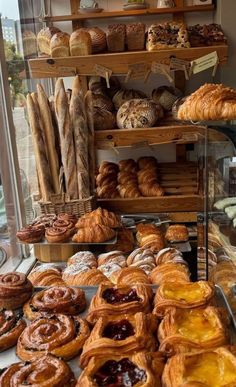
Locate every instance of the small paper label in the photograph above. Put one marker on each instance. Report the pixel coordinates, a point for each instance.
(67, 70)
(204, 63)
(102, 71)
(105, 144)
(161, 68)
(178, 64)
(137, 71)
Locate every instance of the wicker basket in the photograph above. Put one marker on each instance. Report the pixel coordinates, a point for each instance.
(61, 203)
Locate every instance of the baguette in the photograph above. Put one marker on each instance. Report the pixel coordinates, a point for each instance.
(80, 128)
(48, 129)
(43, 169)
(66, 139)
(91, 154)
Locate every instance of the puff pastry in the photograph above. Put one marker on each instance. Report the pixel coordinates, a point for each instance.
(184, 295)
(130, 276)
(83, 275)
(135, 369)
(59, 335)
(85, 257)
(114, 256)
(143, 259)
(191, 330)
(213, 368)
(169, 254)
(177, 233)
(171, 272)
(119, 301)
(120, 334)
(99, 216)
(11, 326)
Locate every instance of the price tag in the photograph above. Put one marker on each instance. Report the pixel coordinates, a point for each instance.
(160, 68)
(103, 72)
(204, 63)
(138, 71)
(177, 64)
(67, 71)
(105, 144)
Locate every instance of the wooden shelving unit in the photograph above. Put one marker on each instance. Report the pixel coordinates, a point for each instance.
(141, 12)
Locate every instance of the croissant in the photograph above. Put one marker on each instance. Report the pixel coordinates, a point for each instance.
(209, 102)
(128, 165)
(130, 276)
(46, 277)
(85, 257)
(147, 162)
(124, 178)
(151, 190)
(79, 274)
(94, 234)
(143, 259)
(107, 179)
(108, 191)
(146, 229)
(153, 242)
(99, 216)
(169, 254)
(107, 167)
(129, 191)
(177, 233)
(112, 257)
(147, 176)
(169, 272)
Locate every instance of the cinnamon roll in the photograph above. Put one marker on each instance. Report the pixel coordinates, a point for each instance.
(69, 217)
(15, 290)
(11, 326)
(85, 257)
(57, 235)
(58, 299)
(31, 233)
(47, 371)
(62, 223)
(58, 335)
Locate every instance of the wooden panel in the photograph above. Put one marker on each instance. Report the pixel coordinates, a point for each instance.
(118, 62)
(161, 204)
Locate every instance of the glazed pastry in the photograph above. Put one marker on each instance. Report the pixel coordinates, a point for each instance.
(85, 257)
(68, 217)
(57, 235)
(63, 223)
(201, 369)
(81, 274)
(130, 276)
(177, 233)
(125, 241)
(135, 369)
(182, 295)
(122, 334)
(57, 299)
(46, 275)
(15, 290)
(110, 269)
(168, 272)
(147, 162)
(169, 254)
(99, 216)
(31, 233)
(191, 330)
(47, 371)
(112, 257)
(45, 219)
(11, 326)
(142, 258)
(58, 335)
(94, 234)
(118, 301)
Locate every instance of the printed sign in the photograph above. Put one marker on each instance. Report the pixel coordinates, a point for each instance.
(103, 72)
(138, 71)
(204, 63)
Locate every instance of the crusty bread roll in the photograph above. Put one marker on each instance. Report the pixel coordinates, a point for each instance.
(80, 43)
(59, 45)
(137, 113)
(44, 38)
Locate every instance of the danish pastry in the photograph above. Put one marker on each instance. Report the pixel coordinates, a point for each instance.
(68, 217)
(118, 301)
(143, 259)
(58, 299)
(109, 269)
(99, 216)
(168, 272)
(47, 371)
(130, 276)
(57, 234)
(182, 295)
(11, 326)
(81, 274)
(120, 334)
(15, 290)
(177, 233)
(169, 254)
(85, 257)
(59, 335)
(112, 257)
(94, 234)
(31, 234)
(46, 275)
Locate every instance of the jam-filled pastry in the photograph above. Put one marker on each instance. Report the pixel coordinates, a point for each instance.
(59, 335)
(99, 216)
(143, 259)
(170, 272)
(130, 276)
(32, 233)
(118, 301)
(124, 334)
(112, 256)
(47, 371)
(15, 290)
(121, 371)
(46, 275)
(81, 274)
(169, 254)
(212, 368)
(177, 233)
(57, 299)
(11, 326)
(184, 295)
(191, 330)
(85, 257)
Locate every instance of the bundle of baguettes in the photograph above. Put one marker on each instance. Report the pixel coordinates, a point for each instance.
(210, 102)
(62, 132)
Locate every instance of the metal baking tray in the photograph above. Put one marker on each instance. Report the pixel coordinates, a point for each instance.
(9, 357)
(46, 243)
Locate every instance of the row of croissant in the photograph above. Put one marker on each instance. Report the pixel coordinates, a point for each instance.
(129, 336)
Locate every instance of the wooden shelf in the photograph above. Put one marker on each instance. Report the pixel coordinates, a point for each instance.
(181, 203)
(141, 12)
(118, 62)
(182, 134)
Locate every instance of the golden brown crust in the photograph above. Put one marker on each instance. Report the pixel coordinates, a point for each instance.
(11, 326)
(94, 234)
(85, 257)
(46, 276)
(44, 37)
(143, 259)
(169, 254)
(130, 276)
(100, 216)
(125, 241)
(80, 43)
(150, 237)
(78, 275)
(113, 256)
(168, 272)
(177, 233)
(59, 45)
(151, 190)
(15, 290)
(57, 235)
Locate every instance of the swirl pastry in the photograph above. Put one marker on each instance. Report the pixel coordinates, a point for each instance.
(177, 233)
(85, 257)
(31, 233)
(170, 272)
(46, 275)
(57, 235)
(143, 259)
(68, 217)
(135, 370)
(191, 330)
(58, 299)
(11, 326)
(201, 369)
(119, 301)
(169, 254)
(99, 216)
(58, 335)
(112, 257)
(122, 334)
(62, 223)
(15, 290)
(94, 234)
(182, 295)
(130, 276)
(45, 219)
(47, 371)
(81, 274)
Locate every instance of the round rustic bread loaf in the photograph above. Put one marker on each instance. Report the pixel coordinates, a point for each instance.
(103, 102)
(166, 96)
(103, 119)
(138, 113)
(126, 95)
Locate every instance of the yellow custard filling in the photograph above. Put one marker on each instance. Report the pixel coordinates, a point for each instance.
(184, 292)
(210, 369)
